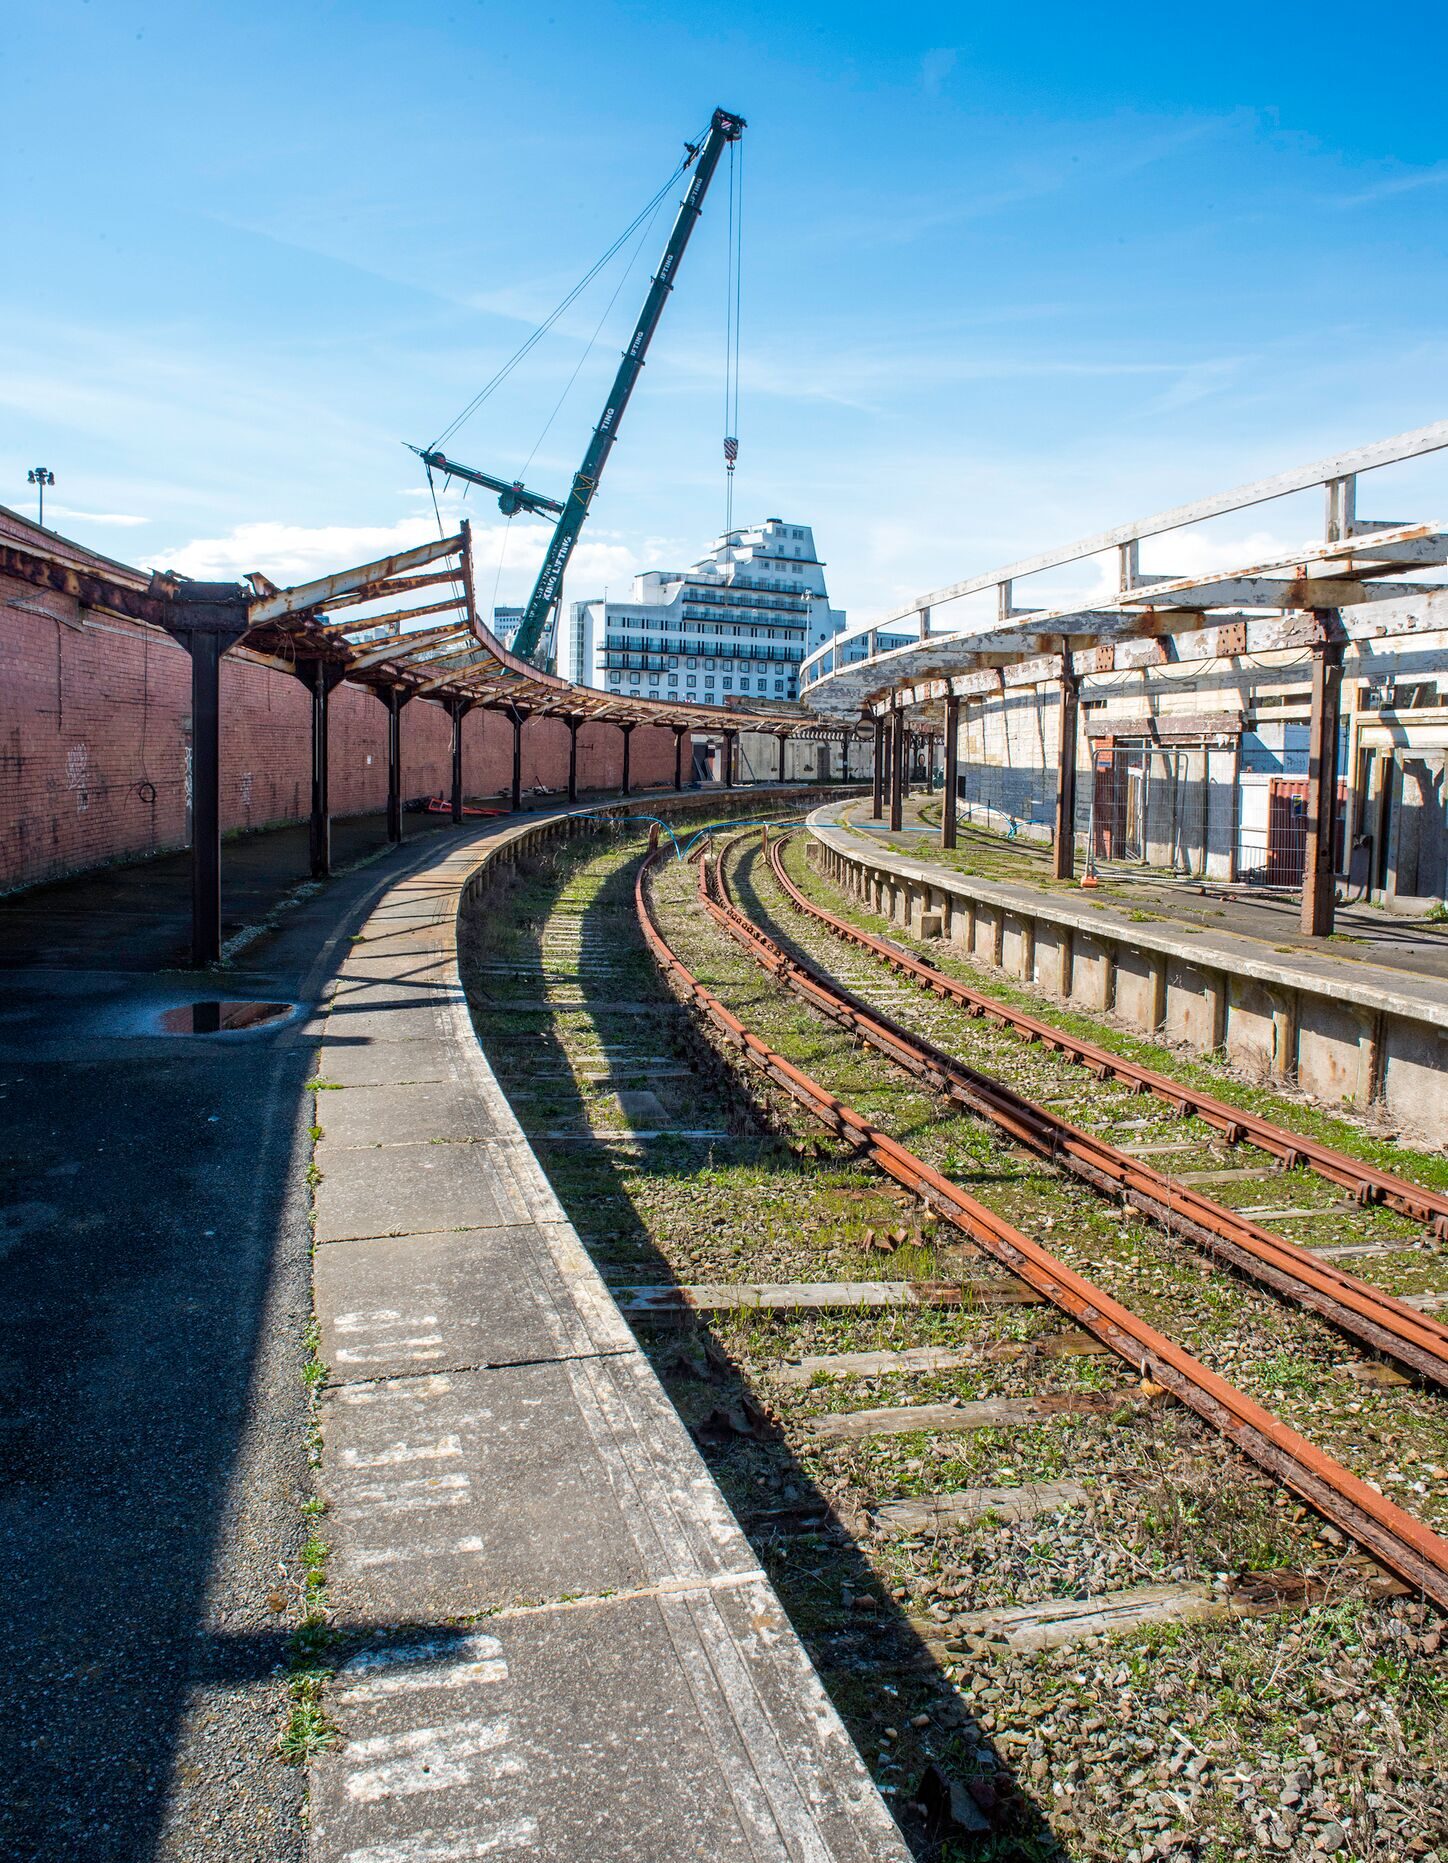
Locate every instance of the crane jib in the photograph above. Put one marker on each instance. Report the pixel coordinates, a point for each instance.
(724, 128)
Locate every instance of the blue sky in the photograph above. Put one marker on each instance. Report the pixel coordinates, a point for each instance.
(1010, 275)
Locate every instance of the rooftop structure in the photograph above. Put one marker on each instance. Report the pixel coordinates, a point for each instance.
(740, 620)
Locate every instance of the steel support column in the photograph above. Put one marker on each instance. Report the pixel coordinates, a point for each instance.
(729, 739)
(679, 736)
(951, 773)
(897, 770)
(516, 790)
(1068, 714)
(458, 709)
(321, 679)
(205, 651)
(206, 618)
(1317, 872)
(877, 794)
(929, 742)
(573, 724)
(782, 742)
(628, 732)
(823, 773)
(394, 700)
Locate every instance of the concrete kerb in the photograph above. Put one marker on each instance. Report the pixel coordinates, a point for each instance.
(497, 1449)
(1343, 1032)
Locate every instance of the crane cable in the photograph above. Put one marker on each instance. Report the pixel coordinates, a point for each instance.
(589, 347)
(588, 350)
(536, 336)
(732, 291)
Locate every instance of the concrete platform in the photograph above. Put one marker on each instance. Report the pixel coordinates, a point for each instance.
(156, 1268)
(569, 1650)
(1343, 1028)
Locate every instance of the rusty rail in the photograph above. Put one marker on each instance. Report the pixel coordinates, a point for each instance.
(1405, 1545)
(1357, 1308)
(1365, 1181)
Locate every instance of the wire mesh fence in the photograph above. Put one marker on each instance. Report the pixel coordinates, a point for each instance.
(1012, 801)
(1188, 811)
(1194, 812)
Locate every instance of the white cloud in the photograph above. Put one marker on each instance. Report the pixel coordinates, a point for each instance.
(505, 558)
(291, 553)
(1198, 380)
(1396, 184)
(98, 517)
(1191, 553)
(865, 378)
(1195, 553)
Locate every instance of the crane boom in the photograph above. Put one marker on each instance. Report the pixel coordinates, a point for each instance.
(540, 612)
(512, 497)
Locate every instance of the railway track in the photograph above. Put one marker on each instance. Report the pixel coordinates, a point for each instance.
(1405, 1545)
(1359, 1309)
(1294, 1150)
(957, 1499)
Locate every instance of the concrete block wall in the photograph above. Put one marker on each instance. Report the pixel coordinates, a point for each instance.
(95, 743)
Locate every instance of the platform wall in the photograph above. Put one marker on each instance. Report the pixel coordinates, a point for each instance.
(95, 743)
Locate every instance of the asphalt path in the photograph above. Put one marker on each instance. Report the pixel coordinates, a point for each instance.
(154, 1295)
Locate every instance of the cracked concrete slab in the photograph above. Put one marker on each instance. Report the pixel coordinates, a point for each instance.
(401, 1113)
(400, 1306)
(463, 1492)
(409, 1189)
(577, 1731)
(359, 1062)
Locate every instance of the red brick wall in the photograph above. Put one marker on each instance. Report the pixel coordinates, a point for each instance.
(95, 743)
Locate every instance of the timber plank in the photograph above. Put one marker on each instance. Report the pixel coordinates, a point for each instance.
(987, 1413)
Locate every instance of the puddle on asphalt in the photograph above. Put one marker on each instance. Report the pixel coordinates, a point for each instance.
(218, 1018)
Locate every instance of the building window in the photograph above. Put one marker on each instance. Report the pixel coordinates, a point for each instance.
(728, 683)
(613, 679)
(708, 666)
(633, 679)
(691, 663)
(691, 679)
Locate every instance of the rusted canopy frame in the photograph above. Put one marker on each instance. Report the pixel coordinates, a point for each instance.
(1337, 475)
(294, 629)
(1273, 608)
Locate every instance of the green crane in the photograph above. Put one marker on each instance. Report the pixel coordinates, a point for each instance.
(536, 631)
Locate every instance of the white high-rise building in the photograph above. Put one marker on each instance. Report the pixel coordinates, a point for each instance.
(506, 622)
(739, 622)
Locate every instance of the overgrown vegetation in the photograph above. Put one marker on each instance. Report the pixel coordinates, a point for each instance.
(1125, 1729)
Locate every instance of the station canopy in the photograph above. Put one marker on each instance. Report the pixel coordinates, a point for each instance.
(406, 623)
